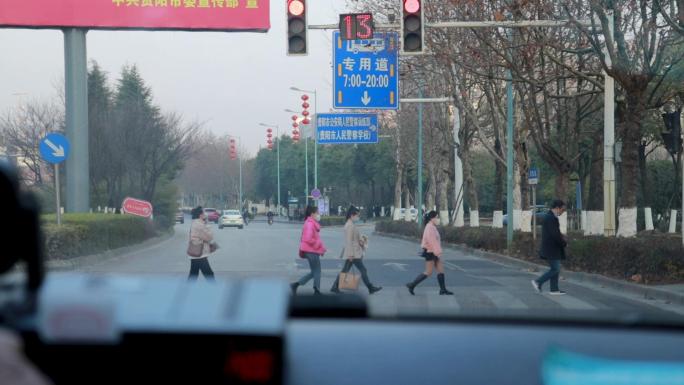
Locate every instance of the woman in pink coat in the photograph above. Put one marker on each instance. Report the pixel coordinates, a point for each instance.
(432, 252)
(311, 248)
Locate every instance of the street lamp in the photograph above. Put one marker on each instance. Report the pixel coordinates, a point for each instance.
(306, 155)
(278, 158)
(315, 132)
(239, 155)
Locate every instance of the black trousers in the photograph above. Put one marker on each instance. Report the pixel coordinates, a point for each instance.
(200, 264)
(362, 269)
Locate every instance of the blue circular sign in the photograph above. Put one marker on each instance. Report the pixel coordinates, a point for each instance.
(54, 148)
(316, 193)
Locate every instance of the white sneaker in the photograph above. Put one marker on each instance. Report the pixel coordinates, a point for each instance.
(559, 292)
(536, 286)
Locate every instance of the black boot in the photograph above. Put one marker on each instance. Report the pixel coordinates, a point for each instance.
(374, 289)
(294, 287)
(442, 286)
(420, 278)
(316, 291)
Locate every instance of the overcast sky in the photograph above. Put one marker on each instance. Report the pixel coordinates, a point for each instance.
(231, 81)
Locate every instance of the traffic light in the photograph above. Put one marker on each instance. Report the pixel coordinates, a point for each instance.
(672, 135)
(296, 27)
(412, 26)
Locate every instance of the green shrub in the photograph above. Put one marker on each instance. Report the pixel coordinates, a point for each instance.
(332, 221)
(648, 258)
(83, 234)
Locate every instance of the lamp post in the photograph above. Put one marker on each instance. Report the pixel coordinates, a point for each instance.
(278, 158)
(315, 132)
(306, 156)
(234, 153)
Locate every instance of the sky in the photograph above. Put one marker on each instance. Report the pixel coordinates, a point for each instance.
(230, 81)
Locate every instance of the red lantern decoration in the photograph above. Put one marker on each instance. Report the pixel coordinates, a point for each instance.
(295, 125)
(294, 117)
(269, 130)
(306, 121)
(305, 105)
(295, 132)
(305, 97)
(305, 113)
(269, 141)
(270, 147)
(269, 135)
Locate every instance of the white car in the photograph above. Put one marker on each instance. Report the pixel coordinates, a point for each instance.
(231, 218)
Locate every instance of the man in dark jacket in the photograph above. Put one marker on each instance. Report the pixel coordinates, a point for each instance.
(552, 248)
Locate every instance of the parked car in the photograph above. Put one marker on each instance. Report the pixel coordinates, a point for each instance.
(231, 218)
(180, 216)
(212, 215)
(539, 211)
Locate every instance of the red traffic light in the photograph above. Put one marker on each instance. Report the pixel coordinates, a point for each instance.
(412, 6)
(295, 7)
(305, 97)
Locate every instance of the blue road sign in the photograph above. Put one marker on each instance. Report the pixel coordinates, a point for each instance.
(533, 177)
(366, 72)
(347, 128)
(54, 148)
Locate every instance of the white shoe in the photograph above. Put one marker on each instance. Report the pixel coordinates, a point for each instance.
(536, 286)
(559, 292)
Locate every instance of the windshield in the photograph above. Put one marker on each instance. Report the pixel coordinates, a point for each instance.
(503, 167)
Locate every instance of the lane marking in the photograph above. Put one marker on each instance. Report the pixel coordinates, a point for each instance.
(504, 300)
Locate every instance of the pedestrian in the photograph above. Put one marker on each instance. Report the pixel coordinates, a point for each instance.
(353, 252)
(311, 248)
(432, 252)
(201, 240)
(552, 249)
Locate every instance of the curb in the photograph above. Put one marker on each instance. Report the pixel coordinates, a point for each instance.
(87, 260)
(577, 277)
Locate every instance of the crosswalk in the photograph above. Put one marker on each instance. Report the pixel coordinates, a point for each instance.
(392, 301)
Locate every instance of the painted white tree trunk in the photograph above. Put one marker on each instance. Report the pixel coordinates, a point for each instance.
(444, 217)
(627, 222)
(526, 221)
(673, 221)
(517, 219)
(474, 218)
(594, 223)
(648, 216)
(497, 221)
(583, 221)
(563, 221)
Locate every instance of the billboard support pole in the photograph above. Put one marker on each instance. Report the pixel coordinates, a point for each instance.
(76, 96)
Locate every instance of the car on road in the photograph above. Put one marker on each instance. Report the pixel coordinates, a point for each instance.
(180, 216)
(539, 212)
(212, 215)
(231, 218)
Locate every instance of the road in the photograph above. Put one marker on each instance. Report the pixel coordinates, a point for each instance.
(260, 250)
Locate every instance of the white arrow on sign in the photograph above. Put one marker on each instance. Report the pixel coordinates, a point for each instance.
(397, 266)
(58, 151)
(365, 99)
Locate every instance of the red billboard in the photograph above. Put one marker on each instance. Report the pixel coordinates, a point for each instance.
(137, 207)
(220, 15)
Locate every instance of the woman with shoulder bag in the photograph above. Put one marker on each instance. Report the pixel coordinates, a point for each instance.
(311, 248)
(354, 250)
(200, 246)
(432, 252)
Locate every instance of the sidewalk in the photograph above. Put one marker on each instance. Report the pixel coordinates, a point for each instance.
(673, 294)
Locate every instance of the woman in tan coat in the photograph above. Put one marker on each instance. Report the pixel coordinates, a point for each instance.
(354, 249)
(200, 233)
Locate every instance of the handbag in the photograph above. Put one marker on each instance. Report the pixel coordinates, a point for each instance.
(213, 246)
(349, 281)
(194, 250)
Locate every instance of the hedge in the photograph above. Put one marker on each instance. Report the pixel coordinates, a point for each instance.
(333, 221)
(84, 234)
(649, 258)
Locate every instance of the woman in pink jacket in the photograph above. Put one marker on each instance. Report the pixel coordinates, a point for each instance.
(432, 252)
(311, 248)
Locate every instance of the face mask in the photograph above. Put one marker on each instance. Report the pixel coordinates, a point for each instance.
(317, 217)
(355, 219)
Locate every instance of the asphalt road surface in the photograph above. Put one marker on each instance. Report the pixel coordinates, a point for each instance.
(479, 285)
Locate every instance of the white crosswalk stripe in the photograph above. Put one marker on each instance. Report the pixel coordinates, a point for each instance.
(504, 300)
(570, 302)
